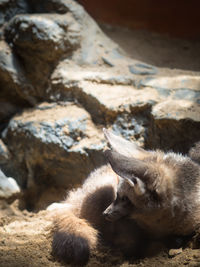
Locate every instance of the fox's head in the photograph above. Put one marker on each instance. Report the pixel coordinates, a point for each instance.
(152, 185)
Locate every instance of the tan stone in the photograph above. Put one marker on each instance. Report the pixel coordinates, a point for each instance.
(177, 110)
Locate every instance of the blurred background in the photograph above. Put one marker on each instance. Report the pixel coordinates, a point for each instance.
(178, 18)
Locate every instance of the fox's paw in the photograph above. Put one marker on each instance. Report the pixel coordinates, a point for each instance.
(70, 248)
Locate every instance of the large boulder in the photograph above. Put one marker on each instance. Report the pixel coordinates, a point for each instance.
(40, 41)
(53, 144)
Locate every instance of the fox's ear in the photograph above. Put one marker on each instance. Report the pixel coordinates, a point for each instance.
(126, 167)
(123, 146)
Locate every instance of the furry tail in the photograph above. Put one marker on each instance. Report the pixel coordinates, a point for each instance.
(73, 238)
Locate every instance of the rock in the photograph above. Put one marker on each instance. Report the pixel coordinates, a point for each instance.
(103, 93)
(109, 98)
(175, 125)
(143, 69)
(53, 144)
(15, 89)
(194, 243)
(113, 100)
(187, 94)
(8, 186)
(30, 35)
(133, 125)
(95, 47)
(175, 81)
(8, 9)
(108, 62)
(4, 153)
(7, 110)
(73, 36)
(174, 252)
(177, 110)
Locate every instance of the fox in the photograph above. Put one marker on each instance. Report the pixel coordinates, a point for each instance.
(137, 193)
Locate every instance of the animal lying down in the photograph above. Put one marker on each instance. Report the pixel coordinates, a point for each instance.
(139, 191)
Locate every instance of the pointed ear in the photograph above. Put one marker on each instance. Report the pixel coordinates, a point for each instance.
(126, 167)
(140, 187)
(130, 182)
(123, 146)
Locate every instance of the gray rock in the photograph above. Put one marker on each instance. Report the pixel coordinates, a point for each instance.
(15, 90)
(143, 69)
(104, 94)
(8, 187)
(163, 91)
(40, 41)
(175, 125)
(108, 62)
(187, 94)
(173, 80)
(8, 9)
(58, 145)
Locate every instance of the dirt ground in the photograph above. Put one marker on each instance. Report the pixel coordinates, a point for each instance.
(25, 238)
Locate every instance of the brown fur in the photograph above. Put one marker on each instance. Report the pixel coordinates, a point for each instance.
(76, 226)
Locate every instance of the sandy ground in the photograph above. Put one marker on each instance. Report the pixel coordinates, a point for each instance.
(25, 240)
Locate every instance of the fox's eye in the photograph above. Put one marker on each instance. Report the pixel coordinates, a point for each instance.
(125, 199)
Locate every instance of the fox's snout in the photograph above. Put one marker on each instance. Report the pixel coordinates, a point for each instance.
(117, 210)
(111, 214)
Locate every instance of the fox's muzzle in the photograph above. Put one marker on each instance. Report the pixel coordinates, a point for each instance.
(116, 210)
(111, 214)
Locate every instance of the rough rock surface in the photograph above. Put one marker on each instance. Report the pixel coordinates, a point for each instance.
(41, 40)
(53, 145)
(181, 118)
(15, 89)
(9, 9)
